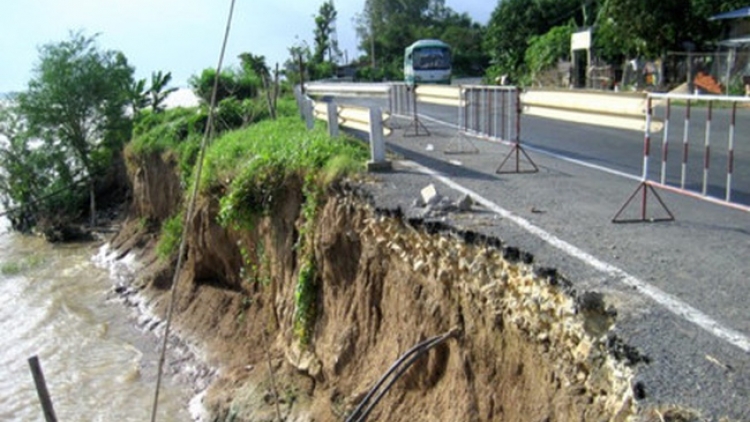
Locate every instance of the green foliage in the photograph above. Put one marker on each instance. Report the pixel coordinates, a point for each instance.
(240, 84)
(253, 165)
(78, 96)
(154, 96)
(64, 132)
(305, 297)
(19, 267)
(324, 25)
(256, 64)
(233, 113)
(176, 131)
(256, 266)
(158, 91)
(170, 237)
(512, 25)
(545, 50)
(652, 27)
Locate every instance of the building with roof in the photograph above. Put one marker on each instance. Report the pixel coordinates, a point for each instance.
(737, 43)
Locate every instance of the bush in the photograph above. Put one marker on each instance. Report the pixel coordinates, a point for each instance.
(252, 165)
(171, 234)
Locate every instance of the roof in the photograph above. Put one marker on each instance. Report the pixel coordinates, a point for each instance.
(428, 43)
(736, 42)
(734, 14)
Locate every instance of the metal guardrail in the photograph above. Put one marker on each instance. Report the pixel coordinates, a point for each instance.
(347, 89)
(353, 117)
(615, 110)
(368, 120)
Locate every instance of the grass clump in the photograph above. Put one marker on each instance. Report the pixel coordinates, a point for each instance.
(304, 300)
(11, 268)
(171, 234)
(20, 266)
(252, 165)
(176, 131)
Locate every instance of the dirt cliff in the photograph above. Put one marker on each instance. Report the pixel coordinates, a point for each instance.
(523, 347)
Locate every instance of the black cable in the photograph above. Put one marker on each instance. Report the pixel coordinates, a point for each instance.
(397, 369)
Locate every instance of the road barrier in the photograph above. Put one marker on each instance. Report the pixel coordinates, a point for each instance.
(494, 113)
(402, 102)
(489, 112)
(323, 89)
(710, 121)
(615, 110)
(369, 120)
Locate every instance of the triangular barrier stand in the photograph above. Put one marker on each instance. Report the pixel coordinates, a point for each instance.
(394, 122)
(642, 193)
(413, 127)
(516, 152)
(461, 144)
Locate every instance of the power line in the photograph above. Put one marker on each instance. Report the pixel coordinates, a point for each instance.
(207, 134)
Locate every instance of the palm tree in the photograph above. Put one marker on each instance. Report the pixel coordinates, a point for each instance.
(158, 90)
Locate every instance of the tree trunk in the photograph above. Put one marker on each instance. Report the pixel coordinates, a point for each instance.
(93, 203)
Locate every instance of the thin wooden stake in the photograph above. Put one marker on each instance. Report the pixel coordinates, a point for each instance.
(41, 389)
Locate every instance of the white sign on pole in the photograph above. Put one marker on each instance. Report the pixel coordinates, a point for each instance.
(580, 40)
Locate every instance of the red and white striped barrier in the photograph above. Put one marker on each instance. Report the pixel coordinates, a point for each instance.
(712, 120)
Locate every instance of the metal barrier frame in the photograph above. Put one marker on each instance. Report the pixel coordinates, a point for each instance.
(646, 185)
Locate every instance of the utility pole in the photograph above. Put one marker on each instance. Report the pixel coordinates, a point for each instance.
(372, 43)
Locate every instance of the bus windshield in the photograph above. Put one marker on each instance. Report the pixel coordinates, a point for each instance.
(432, 58)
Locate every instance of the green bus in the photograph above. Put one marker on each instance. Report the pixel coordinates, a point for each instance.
(427, 62)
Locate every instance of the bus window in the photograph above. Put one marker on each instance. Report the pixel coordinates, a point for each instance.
(431, 58)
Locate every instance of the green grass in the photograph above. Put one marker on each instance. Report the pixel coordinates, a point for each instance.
(18, 267)
(166, 131)
(171, 234)
(11, 268)
(252, 165)
(304, 299)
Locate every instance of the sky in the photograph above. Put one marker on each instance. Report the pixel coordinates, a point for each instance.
(178, 36)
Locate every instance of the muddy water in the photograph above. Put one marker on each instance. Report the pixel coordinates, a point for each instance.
(55, 302)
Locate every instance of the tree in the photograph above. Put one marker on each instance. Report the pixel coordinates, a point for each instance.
(544, 51)
(240, 84)
(652, 27)
(324, 26)
(138, 96)
(257, 65)
(514, 22)
(158, 92)
(76, 102)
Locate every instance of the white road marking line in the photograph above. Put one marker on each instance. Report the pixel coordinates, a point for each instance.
(673, 304)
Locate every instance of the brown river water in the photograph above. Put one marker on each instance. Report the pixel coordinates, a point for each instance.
(57, 302)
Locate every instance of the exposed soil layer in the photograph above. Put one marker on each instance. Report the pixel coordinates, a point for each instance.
(527, 347)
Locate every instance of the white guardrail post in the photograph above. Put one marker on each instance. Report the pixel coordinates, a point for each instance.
(333, 120)
(307, 111)
(377, 143)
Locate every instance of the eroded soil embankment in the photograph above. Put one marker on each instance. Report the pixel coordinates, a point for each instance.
(528, 348)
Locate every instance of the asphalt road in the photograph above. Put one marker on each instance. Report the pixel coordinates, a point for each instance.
(680, 288)
(622, 150)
